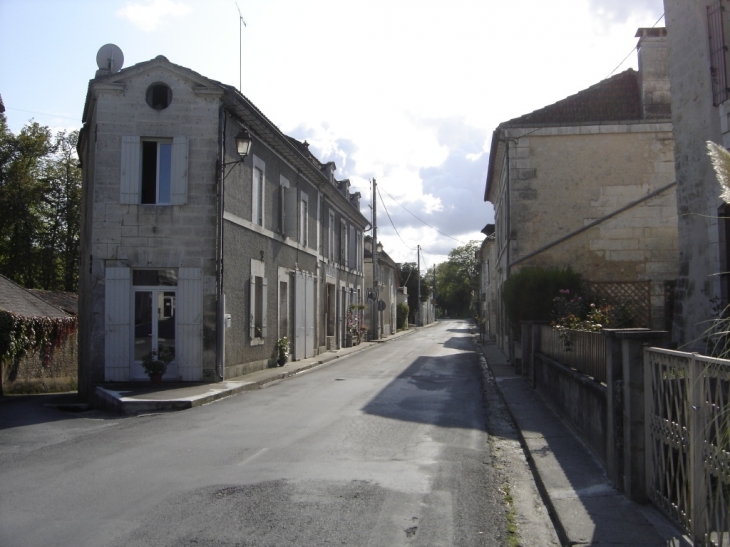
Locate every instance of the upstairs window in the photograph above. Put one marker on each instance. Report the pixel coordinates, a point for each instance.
(718, 66)
(331, 238)
(156, 171)
(304, 220)
(257, 194)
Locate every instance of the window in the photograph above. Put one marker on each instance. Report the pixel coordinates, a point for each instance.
(343, 243)
(159, 96)
(257, 304)
(283, 186)
(358, 251)
(257, 194)
(154, 171)
(304, 220)
(331, 238)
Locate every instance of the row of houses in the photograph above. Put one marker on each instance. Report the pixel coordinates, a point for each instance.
(207, 230)
(615, 182)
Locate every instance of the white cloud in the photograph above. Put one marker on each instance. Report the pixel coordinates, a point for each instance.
(148, 16)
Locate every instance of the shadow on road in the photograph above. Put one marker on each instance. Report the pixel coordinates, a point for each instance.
(25, 410)
(436, 390)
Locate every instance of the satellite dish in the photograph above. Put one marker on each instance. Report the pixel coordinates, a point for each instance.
(110, 57)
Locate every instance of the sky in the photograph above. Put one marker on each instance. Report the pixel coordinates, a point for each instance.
(404, 91)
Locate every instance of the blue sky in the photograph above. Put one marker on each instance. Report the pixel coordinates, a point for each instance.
(407, 91)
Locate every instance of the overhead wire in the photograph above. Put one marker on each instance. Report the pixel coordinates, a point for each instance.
(420, 219)
(632, 50)
(391, 221)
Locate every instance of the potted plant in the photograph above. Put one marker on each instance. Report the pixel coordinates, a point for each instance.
(282, 345)
(156, 361)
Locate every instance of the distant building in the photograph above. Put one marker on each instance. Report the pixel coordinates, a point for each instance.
(387, 289)
(588, 182)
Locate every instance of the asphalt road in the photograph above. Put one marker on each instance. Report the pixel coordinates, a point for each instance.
(386, 447)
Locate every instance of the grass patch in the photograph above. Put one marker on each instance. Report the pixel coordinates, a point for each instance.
(512, 537)
(40, 385)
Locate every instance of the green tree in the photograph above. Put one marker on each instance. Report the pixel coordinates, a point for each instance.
(40, 196)
(410, 278)
(457, 281)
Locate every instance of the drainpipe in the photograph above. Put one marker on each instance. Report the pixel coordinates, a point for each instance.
(220, 346)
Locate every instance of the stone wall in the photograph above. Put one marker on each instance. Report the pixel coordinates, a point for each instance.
(695, 121)
(31, 369)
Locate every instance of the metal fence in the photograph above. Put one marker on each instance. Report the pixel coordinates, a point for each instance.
(688, 441)
(584, 351)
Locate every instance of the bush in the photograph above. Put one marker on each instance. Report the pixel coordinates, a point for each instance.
(401, 315)
(528, 294)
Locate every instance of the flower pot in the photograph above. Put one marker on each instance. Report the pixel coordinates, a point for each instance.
(348, 340)
(155, 378)
(281, 361)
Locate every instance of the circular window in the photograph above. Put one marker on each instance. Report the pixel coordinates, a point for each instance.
(159, 96)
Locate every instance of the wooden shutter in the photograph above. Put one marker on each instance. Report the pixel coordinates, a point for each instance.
(179, 171)
(290, 205)
(252, 308)
(352, 243)
(299, 316)
(117, 340)
(264, 299)
(131, 170)
(189, 327)
(309, 316)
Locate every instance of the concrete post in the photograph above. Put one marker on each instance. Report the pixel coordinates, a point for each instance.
(614, 409)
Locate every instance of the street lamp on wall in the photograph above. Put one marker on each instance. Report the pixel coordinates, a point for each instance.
(243, 143)
(243, 147)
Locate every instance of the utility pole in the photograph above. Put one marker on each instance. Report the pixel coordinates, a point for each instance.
(374, 304)
(419, 321)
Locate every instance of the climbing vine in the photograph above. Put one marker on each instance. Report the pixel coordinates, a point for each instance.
(20, 335)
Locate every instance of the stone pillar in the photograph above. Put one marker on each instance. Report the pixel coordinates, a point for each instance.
(626, 461)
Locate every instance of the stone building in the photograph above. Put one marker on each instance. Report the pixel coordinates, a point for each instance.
(387, 288)
(192, 243)
(699, 34)
(488, 298)
(588, 182)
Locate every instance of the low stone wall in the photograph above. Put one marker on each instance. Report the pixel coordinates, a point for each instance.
(61, 370)
(580, 401)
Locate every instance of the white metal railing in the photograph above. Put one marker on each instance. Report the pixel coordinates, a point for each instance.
(584, 351)
(687, 406)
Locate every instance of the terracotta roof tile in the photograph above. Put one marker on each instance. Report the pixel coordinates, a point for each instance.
(614, 99)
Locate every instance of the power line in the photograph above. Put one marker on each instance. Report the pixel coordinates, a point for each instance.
(632, 51)
(426, 223)
(391, 220)
(42, 113)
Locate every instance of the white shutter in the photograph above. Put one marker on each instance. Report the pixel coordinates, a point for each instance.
(351, 242)
(264, 314)
(290, 216)
(189, 327)
(299, 316)
(309, 316)
(179, 171)
(252, 307)
(131, 170)
(117, 341)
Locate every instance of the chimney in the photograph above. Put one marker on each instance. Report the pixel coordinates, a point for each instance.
(654, 73)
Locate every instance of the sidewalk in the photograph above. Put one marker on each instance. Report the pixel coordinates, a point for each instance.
(140, 397)
(585, 507)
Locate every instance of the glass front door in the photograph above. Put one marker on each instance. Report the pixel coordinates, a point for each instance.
(154, 326)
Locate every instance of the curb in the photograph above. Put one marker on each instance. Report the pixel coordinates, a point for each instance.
(547, 501)
(113, 401)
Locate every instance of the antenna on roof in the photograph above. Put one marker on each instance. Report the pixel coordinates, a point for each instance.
(240, 33)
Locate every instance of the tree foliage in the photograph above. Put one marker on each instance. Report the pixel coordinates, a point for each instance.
(410, 278)
(529, 293)
(40, 197)
(457, 281)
